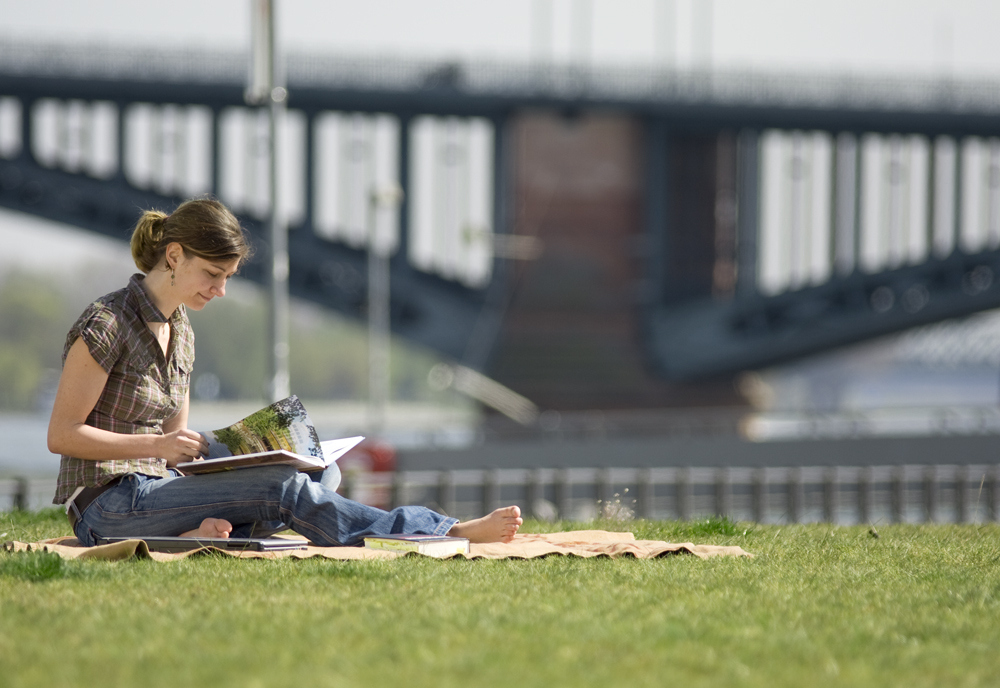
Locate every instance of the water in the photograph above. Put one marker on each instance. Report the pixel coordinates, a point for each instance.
(23, 451)
(24, 455)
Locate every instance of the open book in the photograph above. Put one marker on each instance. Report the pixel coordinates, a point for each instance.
(277, 434)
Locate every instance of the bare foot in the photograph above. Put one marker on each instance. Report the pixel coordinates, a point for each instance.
(499, 526)
(211, 528)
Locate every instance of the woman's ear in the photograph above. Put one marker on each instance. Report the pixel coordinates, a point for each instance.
(172, 254)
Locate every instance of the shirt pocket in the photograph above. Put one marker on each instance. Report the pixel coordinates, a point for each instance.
(141, 390)
(141, 364)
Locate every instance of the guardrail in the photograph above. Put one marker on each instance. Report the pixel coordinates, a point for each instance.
(26, 493)
(831, 494)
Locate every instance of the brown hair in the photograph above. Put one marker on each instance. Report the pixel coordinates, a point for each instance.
(203, 227)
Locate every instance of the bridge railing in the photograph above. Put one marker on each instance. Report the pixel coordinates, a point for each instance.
(634, 86)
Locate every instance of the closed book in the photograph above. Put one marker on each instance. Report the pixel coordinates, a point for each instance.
(430, 545)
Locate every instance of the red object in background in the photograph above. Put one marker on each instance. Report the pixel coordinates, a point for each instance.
(370, 456)
(367, 473)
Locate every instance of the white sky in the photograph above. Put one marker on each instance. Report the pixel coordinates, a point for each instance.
(920, 37)
(923, 36)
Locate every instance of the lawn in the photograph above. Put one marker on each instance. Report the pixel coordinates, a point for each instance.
(818, 605)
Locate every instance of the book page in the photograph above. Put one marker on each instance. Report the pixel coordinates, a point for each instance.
(282, 425)
(334, 449)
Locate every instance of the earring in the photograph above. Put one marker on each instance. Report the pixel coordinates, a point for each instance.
(171, 277)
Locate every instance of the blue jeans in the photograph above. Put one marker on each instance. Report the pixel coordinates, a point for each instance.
(258, 502)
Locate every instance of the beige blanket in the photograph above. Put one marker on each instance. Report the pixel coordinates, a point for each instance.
(578, 543)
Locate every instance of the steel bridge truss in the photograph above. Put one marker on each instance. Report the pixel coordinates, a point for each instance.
(817, 233)
(783, 215)
(94, 153)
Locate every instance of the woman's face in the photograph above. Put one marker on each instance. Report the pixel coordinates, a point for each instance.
(198, 280)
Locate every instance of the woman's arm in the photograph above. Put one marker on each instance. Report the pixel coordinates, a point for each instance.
(80, 387)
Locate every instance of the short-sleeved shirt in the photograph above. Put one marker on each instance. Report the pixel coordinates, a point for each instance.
(144, 387)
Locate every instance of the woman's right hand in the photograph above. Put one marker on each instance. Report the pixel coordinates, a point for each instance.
(182, 445)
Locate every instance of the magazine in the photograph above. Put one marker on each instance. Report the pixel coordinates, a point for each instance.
(277, 434)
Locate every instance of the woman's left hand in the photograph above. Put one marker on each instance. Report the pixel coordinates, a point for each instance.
(182, 445)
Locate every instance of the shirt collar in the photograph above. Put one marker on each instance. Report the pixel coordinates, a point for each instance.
(147, 309)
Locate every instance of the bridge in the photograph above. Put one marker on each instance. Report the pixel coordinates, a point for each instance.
(600, 237)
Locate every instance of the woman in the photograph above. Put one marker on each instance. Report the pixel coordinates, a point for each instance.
(121, 411)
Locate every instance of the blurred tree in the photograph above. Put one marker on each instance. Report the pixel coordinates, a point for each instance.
(230, 343)
(329, 353)
(329, 357)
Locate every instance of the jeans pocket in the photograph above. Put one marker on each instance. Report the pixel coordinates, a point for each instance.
(120, 499)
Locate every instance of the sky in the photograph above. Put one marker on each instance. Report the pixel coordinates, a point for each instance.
(913, 37)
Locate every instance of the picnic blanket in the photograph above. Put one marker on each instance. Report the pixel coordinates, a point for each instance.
(577, 543)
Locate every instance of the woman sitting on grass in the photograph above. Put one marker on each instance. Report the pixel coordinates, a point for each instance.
(121, 411)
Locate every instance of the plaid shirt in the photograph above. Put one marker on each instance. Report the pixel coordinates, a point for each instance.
(144, 388)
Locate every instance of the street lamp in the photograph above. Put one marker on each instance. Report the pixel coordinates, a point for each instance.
(384, 200)
(266, 89)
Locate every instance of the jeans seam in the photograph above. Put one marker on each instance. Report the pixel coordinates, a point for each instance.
(442, 530)
(169, 511)
(301, 525)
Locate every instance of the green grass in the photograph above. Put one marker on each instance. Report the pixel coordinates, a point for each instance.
(818, 606)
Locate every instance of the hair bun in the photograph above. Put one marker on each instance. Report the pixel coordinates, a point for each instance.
(147, 237)
(159, 226)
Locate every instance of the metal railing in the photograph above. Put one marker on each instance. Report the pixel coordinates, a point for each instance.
(513, 78)
(28, 494)
(830, 494)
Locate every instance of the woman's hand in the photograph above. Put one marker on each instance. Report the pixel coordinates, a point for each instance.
(182, 445)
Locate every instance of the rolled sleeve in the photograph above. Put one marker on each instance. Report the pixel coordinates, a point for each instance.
(100, 331)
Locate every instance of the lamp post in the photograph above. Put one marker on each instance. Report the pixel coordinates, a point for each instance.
(267, 87)
(383, 200)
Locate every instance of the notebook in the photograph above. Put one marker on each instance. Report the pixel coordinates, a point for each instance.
(186, 544)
